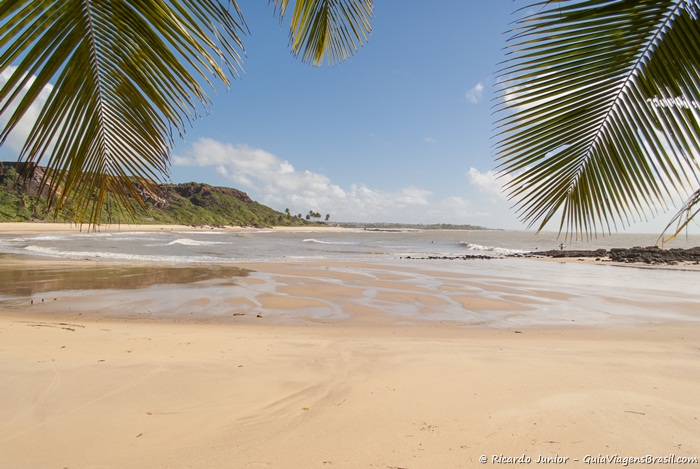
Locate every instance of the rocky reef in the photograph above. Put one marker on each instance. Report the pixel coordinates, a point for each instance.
(650, 255)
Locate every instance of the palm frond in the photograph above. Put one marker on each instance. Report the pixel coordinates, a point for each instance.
(580, 130)
(126, 76)
(331, 29)
(682, 219)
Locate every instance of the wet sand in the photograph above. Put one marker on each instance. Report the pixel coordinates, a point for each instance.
(441, 294)
(318, 365)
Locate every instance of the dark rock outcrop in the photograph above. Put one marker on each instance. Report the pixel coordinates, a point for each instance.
(655, 255)
(568, 253)
(651, 255)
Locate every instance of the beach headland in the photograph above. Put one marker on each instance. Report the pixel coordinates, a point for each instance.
(323, 364)
(41, 227)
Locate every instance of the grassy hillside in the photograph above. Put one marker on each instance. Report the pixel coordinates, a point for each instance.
(185, 204)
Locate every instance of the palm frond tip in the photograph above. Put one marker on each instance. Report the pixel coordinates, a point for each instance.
(578, 122)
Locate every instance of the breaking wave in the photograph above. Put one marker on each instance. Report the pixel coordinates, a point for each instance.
(193, 242)
(491, 249)
(311, 240)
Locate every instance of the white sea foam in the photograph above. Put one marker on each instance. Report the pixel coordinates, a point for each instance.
(277, 246)
(91, 235)
(45, 238)
(121, 256)
(311, 240)
(212, 232)
(48, 251)
(492, 249)
(194, 242)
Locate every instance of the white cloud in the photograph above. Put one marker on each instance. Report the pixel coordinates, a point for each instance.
(489, 182)
(275, 182)
(19, 134)
(457, 210)
(474, 95)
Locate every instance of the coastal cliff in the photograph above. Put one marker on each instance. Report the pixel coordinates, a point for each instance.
(24, 199)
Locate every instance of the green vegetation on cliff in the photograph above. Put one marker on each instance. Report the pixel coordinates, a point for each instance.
(184, 204)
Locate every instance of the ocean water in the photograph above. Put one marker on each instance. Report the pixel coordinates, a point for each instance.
(256, 246)
(213, 274)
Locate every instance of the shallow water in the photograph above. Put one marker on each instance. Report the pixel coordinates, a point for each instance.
(331, 277)
(17, 280)
(237, 247)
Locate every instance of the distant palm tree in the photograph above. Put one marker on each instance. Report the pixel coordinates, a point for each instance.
(128, 75)
(328, 216)
(600, 110)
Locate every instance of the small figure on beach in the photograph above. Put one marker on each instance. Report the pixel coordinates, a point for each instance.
(561, 246)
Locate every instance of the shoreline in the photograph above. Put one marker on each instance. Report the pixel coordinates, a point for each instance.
(43, 227)
(682, 266)
(343, 364)
(344, 293)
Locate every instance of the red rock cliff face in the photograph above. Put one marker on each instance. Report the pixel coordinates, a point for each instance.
(205, 196)
(203, 190)
(191, 203)
(30, 178)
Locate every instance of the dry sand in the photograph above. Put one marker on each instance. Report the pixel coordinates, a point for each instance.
(42, 227)
(131, 394)
(85, 385)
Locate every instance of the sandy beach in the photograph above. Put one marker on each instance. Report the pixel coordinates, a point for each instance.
(334, 364)
(129, 394)
(42, 227)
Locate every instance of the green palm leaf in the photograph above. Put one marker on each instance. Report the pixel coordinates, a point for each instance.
(685, 215)
(126, 76)
(333, 29)
(581, 133)
(125, 79)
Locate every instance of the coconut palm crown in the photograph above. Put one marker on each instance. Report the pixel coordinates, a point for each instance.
(598, 114)
(126, 76)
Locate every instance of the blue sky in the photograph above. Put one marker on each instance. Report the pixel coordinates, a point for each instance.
(401, 132)
(389, 135)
